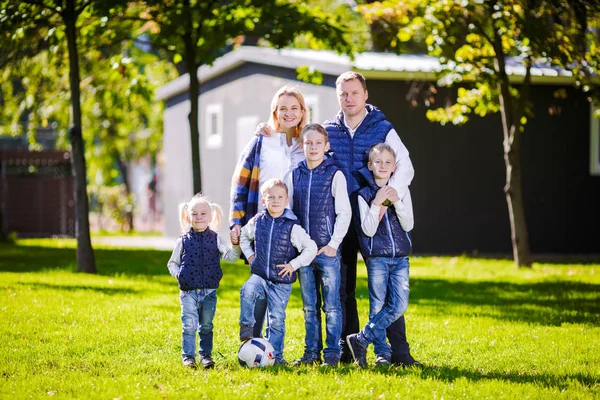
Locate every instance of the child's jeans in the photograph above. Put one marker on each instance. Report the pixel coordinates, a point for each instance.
(323, 272)
(388, 299)
(277, 296)
(197, 313)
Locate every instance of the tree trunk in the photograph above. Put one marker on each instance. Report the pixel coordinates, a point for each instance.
(514, 199)
(511, 113)
(194, 92)
(85, 254)
(122, 165)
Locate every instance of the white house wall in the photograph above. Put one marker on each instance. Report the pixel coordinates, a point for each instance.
(243, 102)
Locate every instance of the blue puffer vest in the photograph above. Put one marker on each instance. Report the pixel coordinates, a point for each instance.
(200, 261)
(273, 245)
(313, 203)
(352, 153)
(390, 240)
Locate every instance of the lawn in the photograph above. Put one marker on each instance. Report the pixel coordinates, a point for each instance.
(482, 328)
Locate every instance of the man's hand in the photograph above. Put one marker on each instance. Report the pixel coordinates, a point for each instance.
(263, 129)
(382, 195)
(251, 259)
(393, 195)
(328, 251)
(234, 234)
(286, 270)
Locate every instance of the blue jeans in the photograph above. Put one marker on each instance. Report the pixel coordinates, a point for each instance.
(323, 274)
(277, 296)
(388, 299)
(197, 313)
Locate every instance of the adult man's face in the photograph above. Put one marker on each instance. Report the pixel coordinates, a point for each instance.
(352, 97)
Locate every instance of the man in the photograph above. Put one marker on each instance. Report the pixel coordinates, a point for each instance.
(357, 127)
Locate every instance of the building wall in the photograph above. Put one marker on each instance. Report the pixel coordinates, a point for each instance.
(244, 97)
(458, 193)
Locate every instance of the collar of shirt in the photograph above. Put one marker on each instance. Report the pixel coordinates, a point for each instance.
(352, 131)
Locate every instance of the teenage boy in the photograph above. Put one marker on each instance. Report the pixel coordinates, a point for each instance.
(320, 200)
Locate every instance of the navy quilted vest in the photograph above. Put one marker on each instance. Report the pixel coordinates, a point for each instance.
(313, 203)
(273, 245)
(352, 153)
(200, 261)
(390, 240)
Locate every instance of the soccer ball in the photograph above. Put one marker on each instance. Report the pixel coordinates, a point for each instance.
(256, 352)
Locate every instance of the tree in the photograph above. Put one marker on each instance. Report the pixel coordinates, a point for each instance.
(475, 40)
(29, 27)
(196, 32)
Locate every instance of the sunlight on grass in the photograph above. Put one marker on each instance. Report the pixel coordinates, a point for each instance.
(482, 328)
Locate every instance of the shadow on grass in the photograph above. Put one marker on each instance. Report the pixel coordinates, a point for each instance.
(547, 303)
(73, 288)
(447, 374)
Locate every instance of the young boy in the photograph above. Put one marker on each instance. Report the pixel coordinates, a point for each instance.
(320, 200)
(273, 262)
(384, 222)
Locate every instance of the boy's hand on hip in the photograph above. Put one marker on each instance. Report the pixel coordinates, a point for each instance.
(286, 270)
(328, 251)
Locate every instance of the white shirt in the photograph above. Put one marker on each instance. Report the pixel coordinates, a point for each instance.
(343, 210)
(230, 254)
(405, 171)
(277, 158)
(369, 215)
(299, 238)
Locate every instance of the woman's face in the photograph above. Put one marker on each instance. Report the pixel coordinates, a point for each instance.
(289, 112)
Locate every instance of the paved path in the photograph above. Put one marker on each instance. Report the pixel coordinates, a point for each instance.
(145, 242)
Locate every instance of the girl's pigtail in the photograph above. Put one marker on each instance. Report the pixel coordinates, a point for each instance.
(184, 217)
(217, 216)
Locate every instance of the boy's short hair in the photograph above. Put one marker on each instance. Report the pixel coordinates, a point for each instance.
(350, 75)
(314, 127)
(379, 148)
(270, 184)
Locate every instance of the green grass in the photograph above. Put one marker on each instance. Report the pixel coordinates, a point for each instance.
(482, 328)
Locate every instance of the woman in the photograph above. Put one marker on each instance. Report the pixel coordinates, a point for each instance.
(265, 158)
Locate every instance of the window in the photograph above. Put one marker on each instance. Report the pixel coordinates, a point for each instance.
(213, 123)
(594, 141)
(312, 109)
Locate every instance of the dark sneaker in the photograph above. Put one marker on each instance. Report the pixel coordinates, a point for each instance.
(281, 362)
(330, 362)
(406, 361)
(245, 333)
(359, 352)
(306, 360)
(207, 362)
(189, 362)
(383, 361)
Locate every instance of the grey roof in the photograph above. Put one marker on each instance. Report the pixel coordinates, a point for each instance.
(371, 65)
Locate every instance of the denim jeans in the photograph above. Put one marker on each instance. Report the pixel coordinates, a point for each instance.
(388, 279)
(277, 296)
(322, 275)
(197, 313)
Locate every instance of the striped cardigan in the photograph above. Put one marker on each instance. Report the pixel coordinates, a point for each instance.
(245, 189)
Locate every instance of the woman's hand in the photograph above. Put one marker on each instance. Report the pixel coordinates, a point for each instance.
(234, 235)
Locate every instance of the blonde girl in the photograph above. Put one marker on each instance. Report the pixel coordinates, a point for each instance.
(196, 264)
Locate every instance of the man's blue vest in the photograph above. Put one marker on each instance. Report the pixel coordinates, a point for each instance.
(352, 153)
(314, 205)
(200, 261)
(390, 240)
(273, 245)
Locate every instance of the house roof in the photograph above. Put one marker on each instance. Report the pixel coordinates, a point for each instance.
(372, 65)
